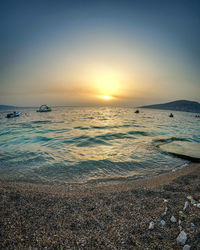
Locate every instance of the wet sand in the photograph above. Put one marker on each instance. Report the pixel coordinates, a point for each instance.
(104, 215)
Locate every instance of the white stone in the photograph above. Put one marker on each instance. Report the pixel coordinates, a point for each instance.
(192, 225)
(182, 238)
(186, 205)
(165, 213)
(163, 223)
(151, 225)
(173, 219)
(198, 205)
(165, 200)
(186, 247)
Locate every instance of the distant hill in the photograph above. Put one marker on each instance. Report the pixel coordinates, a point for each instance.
(7, 107)
(181, 105)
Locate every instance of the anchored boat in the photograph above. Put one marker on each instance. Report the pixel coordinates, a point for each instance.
(12, 115)
(44, 108)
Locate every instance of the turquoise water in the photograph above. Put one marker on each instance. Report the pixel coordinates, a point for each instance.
(83, 144)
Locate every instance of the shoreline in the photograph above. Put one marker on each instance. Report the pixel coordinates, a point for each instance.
(148, 181)
(111, 215)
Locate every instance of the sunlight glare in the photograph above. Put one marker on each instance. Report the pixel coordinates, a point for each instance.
(107, 97)
(107, 83)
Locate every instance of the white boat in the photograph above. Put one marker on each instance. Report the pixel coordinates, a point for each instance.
(44, 108)
(12, 115)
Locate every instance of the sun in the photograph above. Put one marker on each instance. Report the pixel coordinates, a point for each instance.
(107, 97)
(107, 83)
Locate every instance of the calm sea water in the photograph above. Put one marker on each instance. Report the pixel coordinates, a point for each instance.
(81, 144)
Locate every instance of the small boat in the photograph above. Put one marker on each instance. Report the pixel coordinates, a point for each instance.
(12, 115)
(171, 115)
(137, 111)
(44, 108)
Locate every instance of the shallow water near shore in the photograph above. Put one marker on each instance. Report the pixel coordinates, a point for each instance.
(83, 144)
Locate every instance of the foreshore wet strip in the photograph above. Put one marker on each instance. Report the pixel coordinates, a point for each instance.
(111, 215)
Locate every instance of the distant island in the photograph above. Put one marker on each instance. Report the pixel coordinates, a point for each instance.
(180, 105)
(7, 107)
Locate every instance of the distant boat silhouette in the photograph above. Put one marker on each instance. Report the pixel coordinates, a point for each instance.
(137, 111)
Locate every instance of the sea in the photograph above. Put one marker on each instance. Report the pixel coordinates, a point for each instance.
(91, 144)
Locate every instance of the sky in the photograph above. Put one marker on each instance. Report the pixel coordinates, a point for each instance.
(99, 52)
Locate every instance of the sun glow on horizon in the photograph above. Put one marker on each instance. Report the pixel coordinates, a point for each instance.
(107, 83)
(107, 97)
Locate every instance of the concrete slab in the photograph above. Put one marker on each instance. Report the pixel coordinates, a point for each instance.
(185, 150)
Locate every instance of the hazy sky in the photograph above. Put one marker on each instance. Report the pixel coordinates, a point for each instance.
(96, 52)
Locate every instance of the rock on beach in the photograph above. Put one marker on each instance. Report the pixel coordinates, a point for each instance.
(182, 238)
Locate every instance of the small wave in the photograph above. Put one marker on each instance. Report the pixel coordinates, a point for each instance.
(87, 141)
(5, 133)
(92, 142)
(100, 127)
(186, 164)
(82, 137)
(89, 117)
(167, 140)
(139, 133)
(129, 176)
(113, 136)
(41, 122)
(76, 140)
(111, 127)
(81, 128)
(41, 138)
(55, 131)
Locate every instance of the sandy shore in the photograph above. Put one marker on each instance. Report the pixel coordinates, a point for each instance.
(111, 215)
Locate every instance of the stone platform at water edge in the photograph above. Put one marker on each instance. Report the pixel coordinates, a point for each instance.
(186, 150)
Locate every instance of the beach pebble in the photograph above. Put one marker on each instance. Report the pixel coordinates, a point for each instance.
(165, 200)
(198, 205)
(186, 247)
(182, 237)
(163, 214)
(180, 228)
(192, 224)
(189, 197)
(179, 222)
(2, 198)
(181, 215)
(186, 205)
(163, 223)
(151, 225)
(173, 219)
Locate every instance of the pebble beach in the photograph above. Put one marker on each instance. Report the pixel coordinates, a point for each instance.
(160, 212)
